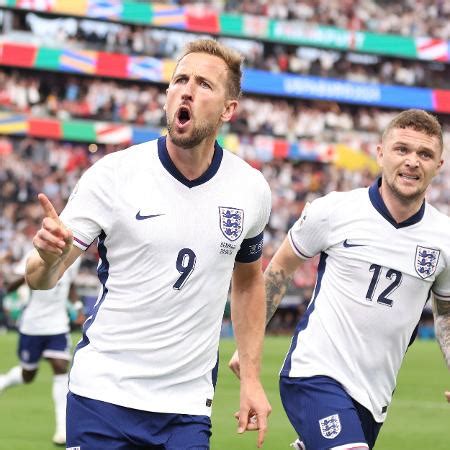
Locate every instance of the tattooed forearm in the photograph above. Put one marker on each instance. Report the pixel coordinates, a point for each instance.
(442, 327)
(276, 282)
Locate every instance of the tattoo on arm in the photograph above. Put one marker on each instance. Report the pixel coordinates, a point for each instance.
(442, 327)
(276, 282)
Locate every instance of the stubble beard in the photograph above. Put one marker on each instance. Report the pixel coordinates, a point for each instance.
(195, 137)
(405, 198)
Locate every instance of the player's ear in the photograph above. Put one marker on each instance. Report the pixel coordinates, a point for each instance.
(229, 109)
(380, 155)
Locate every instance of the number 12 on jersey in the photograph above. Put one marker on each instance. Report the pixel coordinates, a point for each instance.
(394, 275)
(185, 265)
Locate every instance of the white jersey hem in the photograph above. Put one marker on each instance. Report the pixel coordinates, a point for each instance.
(147, 406)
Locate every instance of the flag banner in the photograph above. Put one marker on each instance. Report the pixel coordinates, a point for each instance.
(202, 18)
(441, 100)
(134, 12)
(253, 148)
(13, 123)
(71, 7)
(256, 26)
(105, 9)
(168, 16)
(112, 65)
(35, 5)
(79, 130)
(167, 69)
(145, 68)
(432, 49)
(48, 58)
(205, 18)
(113, 133)
(232, 24)
(20, 55)
(45, 128)
(79, 61)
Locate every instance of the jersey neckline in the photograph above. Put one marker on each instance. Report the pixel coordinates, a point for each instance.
(378, 203)
(171, 168)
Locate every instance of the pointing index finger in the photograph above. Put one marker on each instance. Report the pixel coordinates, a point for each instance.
(48, 208)
(262, 428)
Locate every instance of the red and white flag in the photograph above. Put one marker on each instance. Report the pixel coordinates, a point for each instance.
(432, 49)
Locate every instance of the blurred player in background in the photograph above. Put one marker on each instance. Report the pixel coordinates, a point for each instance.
(44, 333)
(383, 250)
(176, 218)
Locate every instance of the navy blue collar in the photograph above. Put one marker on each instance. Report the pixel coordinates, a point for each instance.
(170, 166)
(380, 206)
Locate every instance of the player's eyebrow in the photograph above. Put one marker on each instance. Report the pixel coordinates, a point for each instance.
(421, 147)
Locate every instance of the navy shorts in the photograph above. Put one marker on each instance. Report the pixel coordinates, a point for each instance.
(33, 348)
(324, 415)
(94, 425)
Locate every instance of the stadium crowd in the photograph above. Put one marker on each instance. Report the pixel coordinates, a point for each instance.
(407, 17)
(413, 18)
(65, 96)
(272, 57)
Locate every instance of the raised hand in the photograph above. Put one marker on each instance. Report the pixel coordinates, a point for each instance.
(53, 240)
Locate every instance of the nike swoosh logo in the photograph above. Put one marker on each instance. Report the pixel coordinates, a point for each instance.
(347, 244)
(139, 217)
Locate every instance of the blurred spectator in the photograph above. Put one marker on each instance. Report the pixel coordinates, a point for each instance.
(66, 97)
(273, 57)
(407, 17)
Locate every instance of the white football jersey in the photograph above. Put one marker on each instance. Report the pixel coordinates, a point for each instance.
(46, 311)
(374, 278)
(167, 250)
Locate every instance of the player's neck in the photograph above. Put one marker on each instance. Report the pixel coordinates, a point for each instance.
(192, 162)
(400, 208)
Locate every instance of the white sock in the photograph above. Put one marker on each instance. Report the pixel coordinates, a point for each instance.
(11, 378)
(59, 392)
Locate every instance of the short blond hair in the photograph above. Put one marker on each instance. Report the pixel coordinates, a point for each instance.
(418, 120)
(232, 59)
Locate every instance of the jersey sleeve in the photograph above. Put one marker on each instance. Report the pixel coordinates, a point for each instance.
(441, 286)
(90, 208)
(252, 246)
(264, 204)
(309, 234)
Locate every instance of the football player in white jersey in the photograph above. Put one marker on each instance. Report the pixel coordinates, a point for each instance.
(384, 250)
(44, 333)
(176, 219)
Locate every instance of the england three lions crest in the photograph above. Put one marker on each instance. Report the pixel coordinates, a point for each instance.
(330, 426)
(426, 261)
(231, 222)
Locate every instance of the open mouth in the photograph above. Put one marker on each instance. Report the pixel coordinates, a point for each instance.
(183, 115)
(406, 176)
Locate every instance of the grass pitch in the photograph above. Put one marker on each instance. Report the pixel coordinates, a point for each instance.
(419, 416)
